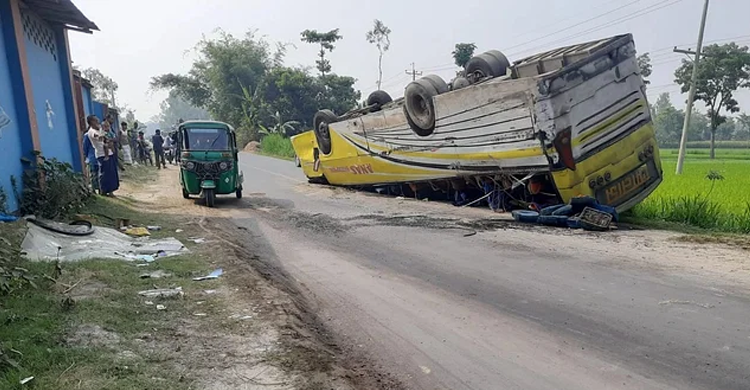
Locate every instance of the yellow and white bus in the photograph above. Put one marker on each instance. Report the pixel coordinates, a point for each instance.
(573, 121)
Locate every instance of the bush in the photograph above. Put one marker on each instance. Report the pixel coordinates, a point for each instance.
(52, 189)
(277, 145)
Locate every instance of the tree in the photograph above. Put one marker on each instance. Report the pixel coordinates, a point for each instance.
(726, 130)
(326, 41)
(380, 37)
(463, 53)
(667, 120)
(176, 107)
(722, 70)
(644, 64)
(225, 66)
(743, 127)
(105, 89)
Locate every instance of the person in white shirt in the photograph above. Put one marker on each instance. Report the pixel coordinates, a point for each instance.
(109, 180)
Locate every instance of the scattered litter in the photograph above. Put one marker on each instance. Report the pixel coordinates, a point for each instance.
(179, 231)
(200, 314)
(26, 380)
(209, 292)
(200, 302)
(161, 307)
(212, 275)
(197, 240)
(162, 292)
(142, 265)
(137, 232)
(153, 228)
(45, 245)
(158, 274)
(149, 303)
(240, 317)
(400, 198)
(146, 258)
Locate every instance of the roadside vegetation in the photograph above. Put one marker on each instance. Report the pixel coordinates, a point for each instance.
(277, 145)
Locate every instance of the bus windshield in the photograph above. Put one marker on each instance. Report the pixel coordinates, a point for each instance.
(206, 139)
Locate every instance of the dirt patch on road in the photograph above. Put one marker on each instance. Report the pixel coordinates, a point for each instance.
(269, 337)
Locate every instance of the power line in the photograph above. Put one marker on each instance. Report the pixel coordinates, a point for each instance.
(639, 13)
(576, 25)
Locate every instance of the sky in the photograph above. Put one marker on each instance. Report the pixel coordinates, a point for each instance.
(140, 39)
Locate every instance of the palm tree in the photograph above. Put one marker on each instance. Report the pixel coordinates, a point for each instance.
(280, 126)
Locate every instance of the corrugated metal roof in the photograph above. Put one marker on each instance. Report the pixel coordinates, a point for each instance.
(63, 12)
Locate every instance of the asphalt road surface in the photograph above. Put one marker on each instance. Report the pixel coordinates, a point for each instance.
(410, 284)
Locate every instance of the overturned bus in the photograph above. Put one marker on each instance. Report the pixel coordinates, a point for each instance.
(557, 125)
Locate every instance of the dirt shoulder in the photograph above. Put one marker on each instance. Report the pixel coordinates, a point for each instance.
(248, 329)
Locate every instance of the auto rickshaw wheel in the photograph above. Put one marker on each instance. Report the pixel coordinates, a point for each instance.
(239, 194)
(210, 197)
(185, 194)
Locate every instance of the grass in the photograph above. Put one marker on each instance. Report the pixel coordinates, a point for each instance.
(36, 323)
(277, 145)
(704, 154)
(691, 199)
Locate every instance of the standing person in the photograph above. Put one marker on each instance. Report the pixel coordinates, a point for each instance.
(113, 134)
(92, 164)
(168, 148)
(127, 154)
(144, 153)
(109, 180)
(158, 141)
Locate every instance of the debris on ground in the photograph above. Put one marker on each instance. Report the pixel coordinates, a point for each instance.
(197, 240)
(153, 228)
(137, 231)
(582, 213)
(252, 147)
(213, 275)
(158, 274)
(179, 231)
(162, 292)
(26, 380)
(41, 244)
(209, 292)
(161, 307)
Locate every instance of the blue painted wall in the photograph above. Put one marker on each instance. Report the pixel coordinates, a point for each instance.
(10, 133)
(50, 105)
(88, 103)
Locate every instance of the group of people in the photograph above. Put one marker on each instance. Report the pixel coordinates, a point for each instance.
(102, 143)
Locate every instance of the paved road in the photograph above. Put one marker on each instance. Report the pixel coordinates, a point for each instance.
(504, 309)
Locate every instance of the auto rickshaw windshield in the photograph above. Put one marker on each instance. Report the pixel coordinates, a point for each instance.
(206, 139)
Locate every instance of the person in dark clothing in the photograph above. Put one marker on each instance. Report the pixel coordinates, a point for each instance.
(158, 143)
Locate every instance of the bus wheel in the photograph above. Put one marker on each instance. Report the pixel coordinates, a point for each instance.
(492, 63)
(378, 99)
(321, 121)
(419, 109)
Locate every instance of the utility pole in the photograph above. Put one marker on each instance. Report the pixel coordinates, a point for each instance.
(413, 72)
(691, 94)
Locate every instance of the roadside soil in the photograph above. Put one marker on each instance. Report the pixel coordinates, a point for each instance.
(264, 336)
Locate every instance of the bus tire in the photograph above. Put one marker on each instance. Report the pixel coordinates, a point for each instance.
(321, 121)
(460, 82)
(378, 99)
(419, 108)
(489, 64)
(440, 85)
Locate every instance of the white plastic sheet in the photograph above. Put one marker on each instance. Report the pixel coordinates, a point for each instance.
(44, 245)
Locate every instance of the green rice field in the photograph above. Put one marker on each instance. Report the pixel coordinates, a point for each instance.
(694, 199)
